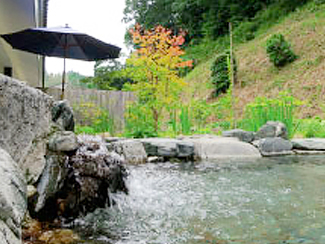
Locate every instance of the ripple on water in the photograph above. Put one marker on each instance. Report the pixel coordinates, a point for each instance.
(278, 200)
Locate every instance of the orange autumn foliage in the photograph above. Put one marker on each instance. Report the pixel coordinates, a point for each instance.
(160, 45)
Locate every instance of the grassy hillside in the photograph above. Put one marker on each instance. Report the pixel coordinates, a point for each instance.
(304, 78)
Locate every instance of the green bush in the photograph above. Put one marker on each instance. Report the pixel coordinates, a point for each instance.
(139, 122)
(245, 31)
(93, 119)
(220, 73)
(312, 128)
(279, 51)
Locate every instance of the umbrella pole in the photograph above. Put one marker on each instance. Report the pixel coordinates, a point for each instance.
(43, 73)
(63, 80)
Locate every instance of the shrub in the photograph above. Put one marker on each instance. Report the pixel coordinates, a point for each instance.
(201, 111)
(220, 73)
(279, 51)
(139, 122)
(312, 128)
(93, 119)
(245, 31)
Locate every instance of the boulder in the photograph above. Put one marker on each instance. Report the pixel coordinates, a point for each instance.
(35, 161)
(315, 144)
(76, 184)
(168, 148)
(274, 146)
(25, 122)
(132, 151)
(63, 141)
(222, 147)
(62, 114)
(272, 129)
(51, 180)
(245, 136)
(12, 199)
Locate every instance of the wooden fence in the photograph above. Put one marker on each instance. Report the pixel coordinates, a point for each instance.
(114, 101)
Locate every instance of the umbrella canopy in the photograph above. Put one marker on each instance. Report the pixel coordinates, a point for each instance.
(61, 42)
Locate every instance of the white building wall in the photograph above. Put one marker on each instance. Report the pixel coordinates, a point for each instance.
(16, 15)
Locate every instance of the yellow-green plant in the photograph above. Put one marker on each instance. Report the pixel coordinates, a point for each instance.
(154, 68)
(265, 109)
(185, 120)
(93, 119)
(139, 122)
(314, 127)
(201, 111)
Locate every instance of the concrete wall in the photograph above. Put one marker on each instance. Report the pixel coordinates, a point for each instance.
(16, 15)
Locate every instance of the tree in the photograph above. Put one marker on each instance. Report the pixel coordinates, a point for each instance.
(109, 75)
(200, 18)
(154, 67)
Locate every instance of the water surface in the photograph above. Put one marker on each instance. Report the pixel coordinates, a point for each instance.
(275, 200)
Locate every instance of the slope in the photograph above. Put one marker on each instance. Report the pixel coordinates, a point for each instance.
(304, 78)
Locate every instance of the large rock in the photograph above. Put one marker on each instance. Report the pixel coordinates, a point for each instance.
(78, 183)
(25, 122)
(51, 180)
(63, 141)
(272, 129)
(168, 148)
(132, 150)
(275, 146)
(309, 144)
(12, 199)
(222, 147)
(245, 136)
(62, 114)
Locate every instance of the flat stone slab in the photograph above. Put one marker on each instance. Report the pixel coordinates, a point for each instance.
(222, 147)
(308, 152)
(314, 144)
(168, 147)
(245, 136)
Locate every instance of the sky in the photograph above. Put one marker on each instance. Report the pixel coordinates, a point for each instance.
(101, 19)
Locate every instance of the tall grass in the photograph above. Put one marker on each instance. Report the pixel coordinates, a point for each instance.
(185, 120)
(265, 109)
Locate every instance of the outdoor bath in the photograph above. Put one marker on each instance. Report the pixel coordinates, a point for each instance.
(264, 200)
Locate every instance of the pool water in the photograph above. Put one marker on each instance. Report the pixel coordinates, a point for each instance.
(262, 201)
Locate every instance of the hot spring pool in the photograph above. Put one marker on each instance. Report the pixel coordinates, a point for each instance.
(264, 201)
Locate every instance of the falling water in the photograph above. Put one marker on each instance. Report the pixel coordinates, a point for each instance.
(265, 201)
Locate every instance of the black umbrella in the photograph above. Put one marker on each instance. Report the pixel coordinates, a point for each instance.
(62, 42)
